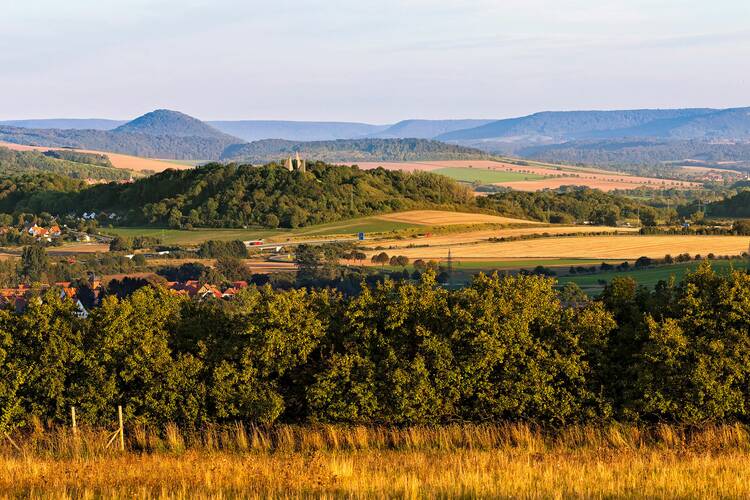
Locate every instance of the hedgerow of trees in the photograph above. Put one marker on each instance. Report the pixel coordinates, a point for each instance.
(501, 349)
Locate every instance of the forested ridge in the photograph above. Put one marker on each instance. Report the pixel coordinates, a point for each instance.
(233, 195)
(67, 163)
(351, 150)
(502, 349)
(568, 206)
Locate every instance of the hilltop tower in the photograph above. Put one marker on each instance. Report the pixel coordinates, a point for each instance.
(300, 163)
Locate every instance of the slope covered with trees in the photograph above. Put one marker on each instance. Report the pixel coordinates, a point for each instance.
(623, 152)
(241, 195)
(67, 163)
(567, 206)
(352, 150)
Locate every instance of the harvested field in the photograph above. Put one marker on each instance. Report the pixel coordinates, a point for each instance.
(443, 218)
(118, 160)
(74, 248)
(445, 240)
(588, 247)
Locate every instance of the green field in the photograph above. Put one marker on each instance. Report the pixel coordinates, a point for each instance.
(197, 236)
(484, 176)
(648, 277)
(190, 163)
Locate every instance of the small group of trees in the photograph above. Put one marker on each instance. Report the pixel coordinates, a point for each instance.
(383, 258)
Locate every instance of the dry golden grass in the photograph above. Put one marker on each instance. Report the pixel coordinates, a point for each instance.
(483, 235)
(588, 247)
(454, 461)
(444, 218)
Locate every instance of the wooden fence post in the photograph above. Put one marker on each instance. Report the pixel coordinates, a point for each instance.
(73, 420)
(122, 430)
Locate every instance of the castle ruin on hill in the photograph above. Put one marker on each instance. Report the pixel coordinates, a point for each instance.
(295, 164)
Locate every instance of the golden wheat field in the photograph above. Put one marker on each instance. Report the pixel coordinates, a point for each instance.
(585, 247)
(483, 235)
(444, 218)
(468, 461)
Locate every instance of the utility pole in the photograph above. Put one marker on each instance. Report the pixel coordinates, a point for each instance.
(450, 268)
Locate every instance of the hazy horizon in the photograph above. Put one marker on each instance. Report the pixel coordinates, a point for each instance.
(378, 63)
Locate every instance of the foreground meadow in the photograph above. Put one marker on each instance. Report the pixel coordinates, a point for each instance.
(453, 461)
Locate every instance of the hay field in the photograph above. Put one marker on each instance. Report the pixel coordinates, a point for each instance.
(445, 218)
(588, 247)
(118, 160)
(446, 240)
(457, 461)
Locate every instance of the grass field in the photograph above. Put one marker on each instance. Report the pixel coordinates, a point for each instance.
(376, 224)
(457, 461)
(484, 176)
(197, 236)
(650, 277)
(192, 237)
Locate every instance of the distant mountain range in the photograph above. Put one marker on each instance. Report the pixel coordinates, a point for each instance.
(554, 136)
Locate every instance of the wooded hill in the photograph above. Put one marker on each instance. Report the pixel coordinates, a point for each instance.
(351, 150)
(233, 195)
(68, 163)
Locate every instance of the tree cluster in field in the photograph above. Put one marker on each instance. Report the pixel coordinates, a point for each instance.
(571, 205)
(64, 163)
(242, 195)
(501, 349)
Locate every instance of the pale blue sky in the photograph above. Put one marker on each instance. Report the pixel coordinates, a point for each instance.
(376, 61)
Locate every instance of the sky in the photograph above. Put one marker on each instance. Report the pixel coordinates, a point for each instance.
(370, 61)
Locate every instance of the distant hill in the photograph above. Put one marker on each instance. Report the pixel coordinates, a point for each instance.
(164, 122)
(426, 129)
(350, 150)
(562, 126)
(67, 123)
(160, 134)
(255, 130)
(626, 151)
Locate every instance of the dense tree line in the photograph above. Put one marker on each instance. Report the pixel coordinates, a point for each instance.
(735, 206)
(64, 163)
(501, 349)
(242, 195)
(131, 143)
(632, 151)
(351, 150)
(570, 205)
